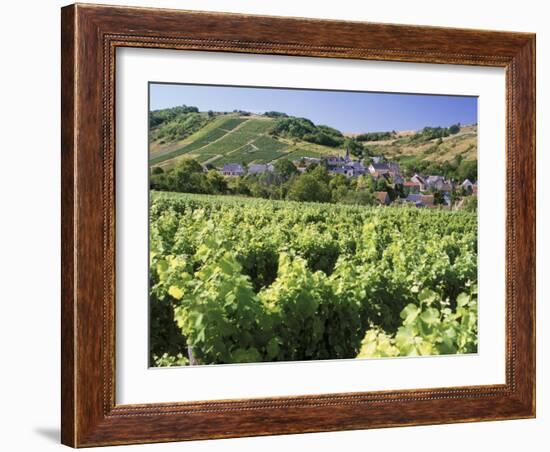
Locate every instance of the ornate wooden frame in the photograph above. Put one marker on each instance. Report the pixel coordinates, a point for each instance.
(90, 35)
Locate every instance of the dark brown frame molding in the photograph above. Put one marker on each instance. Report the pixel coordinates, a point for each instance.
(90, 35)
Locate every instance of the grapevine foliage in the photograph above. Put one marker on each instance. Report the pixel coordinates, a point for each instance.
(249, 280)
(429, 328)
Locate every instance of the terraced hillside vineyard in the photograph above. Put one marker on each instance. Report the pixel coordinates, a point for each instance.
(236, 280)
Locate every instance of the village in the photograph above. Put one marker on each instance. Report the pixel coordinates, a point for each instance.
(423, 191)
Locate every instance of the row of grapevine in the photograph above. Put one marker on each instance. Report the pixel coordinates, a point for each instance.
(249, 280)
(213, 131)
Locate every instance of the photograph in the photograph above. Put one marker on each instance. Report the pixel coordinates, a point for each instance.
(293, 224)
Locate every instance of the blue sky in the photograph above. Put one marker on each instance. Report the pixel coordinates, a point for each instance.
(347, 111)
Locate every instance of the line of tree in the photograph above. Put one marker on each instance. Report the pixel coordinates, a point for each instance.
(304, 129)
(176, 123)
(431, 133)
(275, 114)
(375, 136)
(316, 184)
(157, 117)
(457, 169)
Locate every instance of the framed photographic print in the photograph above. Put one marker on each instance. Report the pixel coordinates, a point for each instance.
(281, 225)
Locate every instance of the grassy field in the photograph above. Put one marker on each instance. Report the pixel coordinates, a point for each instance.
(404, 149)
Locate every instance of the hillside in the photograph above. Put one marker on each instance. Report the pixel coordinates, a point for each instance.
(241, 137)
(403, 147)
(229, 138)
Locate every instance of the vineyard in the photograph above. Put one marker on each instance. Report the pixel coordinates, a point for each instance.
(213, 131)
(249, 280)
(230, 138)
(244, 142)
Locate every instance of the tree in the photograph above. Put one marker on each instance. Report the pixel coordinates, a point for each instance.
(399, 191)
(361, 197)
(355, 148)
(305, 129)
(188, 177)
(467, 170)
(370, 183)
(284, 169)
(455, 128)
(375, 136)
(186, 165)
(216, 182)
(239, 186)
(361, 182)
(258, 190)
(338, 180)
(367, 152)
(470, 204)
(320, 173)
(338, 187)
(454, 198)
(308, 188)
(275, 114)
(381, 184)
(438, 197)
(160, 182)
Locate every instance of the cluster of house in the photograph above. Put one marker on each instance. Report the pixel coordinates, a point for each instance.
(234, 169)
(418, 185)
(419, 188)
(354, 168)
